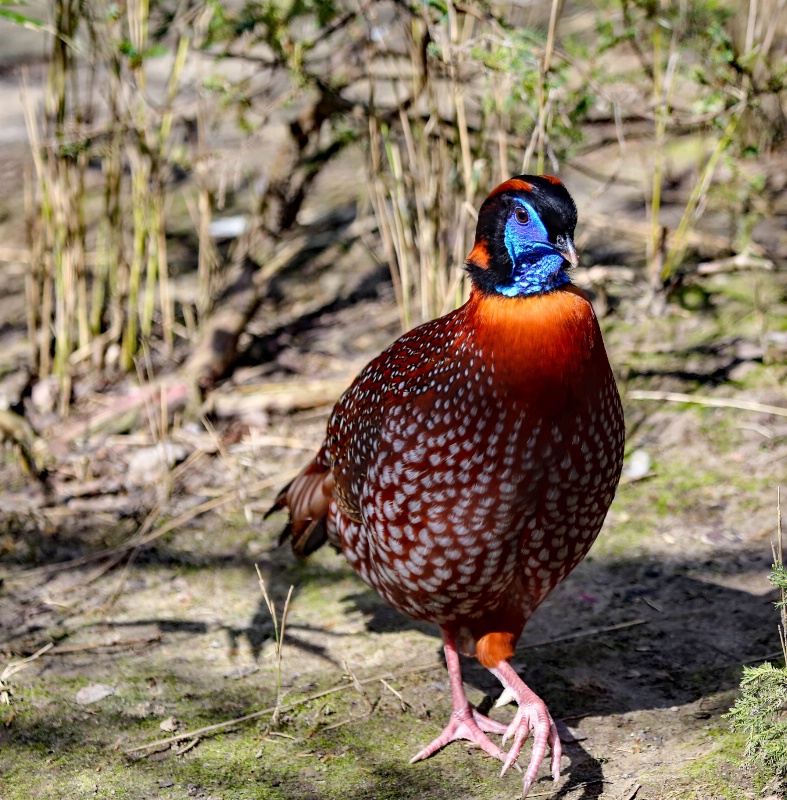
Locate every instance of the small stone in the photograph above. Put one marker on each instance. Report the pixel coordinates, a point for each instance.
(637, 465)
(749, 351)
(228, 227)
(149, 464)
(112, 355)
(44, 395)
(93, 693)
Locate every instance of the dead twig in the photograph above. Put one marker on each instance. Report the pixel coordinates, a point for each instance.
(16, 666)
(740, 262)
(358, 687)
(766, 657)
(278, 632)
(69, 649)
(284, 396)
(393, 691)
(633, 793)
(583, 634)
(713, 402)
(186, 747)
(625, 480)
(356, 718)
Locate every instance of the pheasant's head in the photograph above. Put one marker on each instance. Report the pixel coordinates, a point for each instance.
(524, 240)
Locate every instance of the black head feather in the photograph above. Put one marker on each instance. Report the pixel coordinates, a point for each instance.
(489, 259)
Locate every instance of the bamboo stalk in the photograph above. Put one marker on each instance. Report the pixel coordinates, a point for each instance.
(679, 242)
(544, 85)
(76, 244)
(33, 272)
(207, 258)
(660, 110)
(160, 245)
(139, 180)
(154, 223)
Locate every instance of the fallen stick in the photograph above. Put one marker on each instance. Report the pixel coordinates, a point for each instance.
(582, 634)
(81, 648)
(282, 396)
(333, 690)
(714, 402)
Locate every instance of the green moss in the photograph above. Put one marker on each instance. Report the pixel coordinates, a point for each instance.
(715, 774)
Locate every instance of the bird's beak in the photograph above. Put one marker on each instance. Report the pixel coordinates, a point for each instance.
(565, 246)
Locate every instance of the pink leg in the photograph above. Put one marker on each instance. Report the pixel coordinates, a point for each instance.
(532, 715)
(466, 722)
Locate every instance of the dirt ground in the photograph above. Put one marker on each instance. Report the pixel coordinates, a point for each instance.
(639, 652)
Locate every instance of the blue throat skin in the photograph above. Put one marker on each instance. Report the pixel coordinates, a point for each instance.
(538, 266)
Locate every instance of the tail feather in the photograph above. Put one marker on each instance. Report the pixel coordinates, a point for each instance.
(307, 499)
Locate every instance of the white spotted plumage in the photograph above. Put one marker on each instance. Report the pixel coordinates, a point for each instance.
(439, 470)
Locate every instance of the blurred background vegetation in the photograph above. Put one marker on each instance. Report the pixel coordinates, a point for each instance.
(209, 124)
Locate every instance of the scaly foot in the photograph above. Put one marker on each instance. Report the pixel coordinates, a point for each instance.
(531, 716)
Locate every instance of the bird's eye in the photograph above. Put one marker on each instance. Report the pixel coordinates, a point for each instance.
(521, 215)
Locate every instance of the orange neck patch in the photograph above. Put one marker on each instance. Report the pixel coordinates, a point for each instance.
(538, 340)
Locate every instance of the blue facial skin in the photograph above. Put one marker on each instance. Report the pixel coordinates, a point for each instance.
(538, 266)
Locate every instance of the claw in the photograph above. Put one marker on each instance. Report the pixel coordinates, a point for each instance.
(556, 752)
(510, 759)
(467, 723)
(507, 697)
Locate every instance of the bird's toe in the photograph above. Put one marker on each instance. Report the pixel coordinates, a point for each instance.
(533, 718)
(469, 725)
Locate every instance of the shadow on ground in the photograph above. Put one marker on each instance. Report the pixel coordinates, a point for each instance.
(693, 625)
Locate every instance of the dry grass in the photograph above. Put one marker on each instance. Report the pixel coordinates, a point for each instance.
(100, 274)
(447, 100)
(278, 636)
